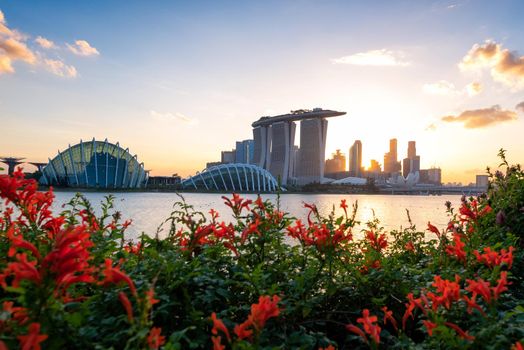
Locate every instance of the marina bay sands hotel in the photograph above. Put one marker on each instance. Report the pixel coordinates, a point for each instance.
(274, 140)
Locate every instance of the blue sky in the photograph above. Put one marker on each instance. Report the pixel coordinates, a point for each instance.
(177, 82)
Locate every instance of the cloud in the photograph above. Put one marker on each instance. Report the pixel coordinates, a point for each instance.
(441, 87)
(473, 89)
(173, 116)
(59, 68)
(431, 127)
(445, 88)
(381, 57)
(505, 66)
(479, 118)
(12, 48)
(45, 43)
(520, 107)
(82, 48)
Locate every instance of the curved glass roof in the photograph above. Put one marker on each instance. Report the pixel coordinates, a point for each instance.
(233, 177)
(95, 164)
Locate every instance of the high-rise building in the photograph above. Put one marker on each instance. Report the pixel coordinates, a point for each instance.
(336, 164)
(391, 165)
(412, 149)
(244, 152)
(482, 181)
(374, 167)
(313, 134)
(355, 159)
(274, 140)
(411, 164)
(227, 156)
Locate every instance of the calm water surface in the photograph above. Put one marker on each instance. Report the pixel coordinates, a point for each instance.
(149, 210)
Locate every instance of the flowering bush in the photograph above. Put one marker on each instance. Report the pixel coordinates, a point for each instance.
(262, 279)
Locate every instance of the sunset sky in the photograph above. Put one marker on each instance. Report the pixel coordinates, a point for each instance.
(179, 81)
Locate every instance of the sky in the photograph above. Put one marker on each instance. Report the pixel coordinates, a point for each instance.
(178, 81)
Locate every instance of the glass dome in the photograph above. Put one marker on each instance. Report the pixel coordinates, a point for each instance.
(98, 164)
(233, 177)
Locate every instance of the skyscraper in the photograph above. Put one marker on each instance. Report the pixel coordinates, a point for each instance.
(355, 159)
(274, 140)
(391, 165)
(411, 164)
(244, 152)
(336, 164)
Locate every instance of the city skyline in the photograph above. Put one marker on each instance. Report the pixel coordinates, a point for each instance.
(189, 81)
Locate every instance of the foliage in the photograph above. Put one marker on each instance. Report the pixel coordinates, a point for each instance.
(262, 280)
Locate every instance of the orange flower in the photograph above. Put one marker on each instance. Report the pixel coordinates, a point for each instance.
(352, 328)
(115, 275)
(266, 308)
(434, 230)
(457, 250)
(481, 288)
(127, 306)
(460, 332)
(429, 326)
(32, 340)
(217, 345)
(155, 339)
(370, 326)
(329, 347)
(388, 316)
(242, 330)
(218, 325)
(491, 258)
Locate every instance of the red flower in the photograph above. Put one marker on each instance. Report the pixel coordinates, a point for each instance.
(18, 241)
(127, 306)
(378, 242)
(251, 228)
(22, 269)
(472, 303)
(388, 316)
(115, 275)
(369, 324)
(460, 332)
(352, 328)
(344, 206)
(410, 247)
(218, 325)
(481, 288)
(242, 330)
(501, 286)
(449, 292)
(491, 258)
(16, 313)
(217, 345)
(434, 230)
(266, 308)
(237, 204)
(429, 326)
(517, 346)
(150, 297)
(457, 250)
(155, 339)
(330, 347)
(32, 340)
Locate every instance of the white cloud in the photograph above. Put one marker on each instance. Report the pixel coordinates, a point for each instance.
(505, 66)
(441, 87)
(445, 88)
(381, 57)
(480, 118)
(474, 88)
(59, 68)
(166, 117)
(45, 43)
(82, 48)
(12, 48)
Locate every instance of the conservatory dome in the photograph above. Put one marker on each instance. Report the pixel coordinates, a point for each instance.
(98, 164)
